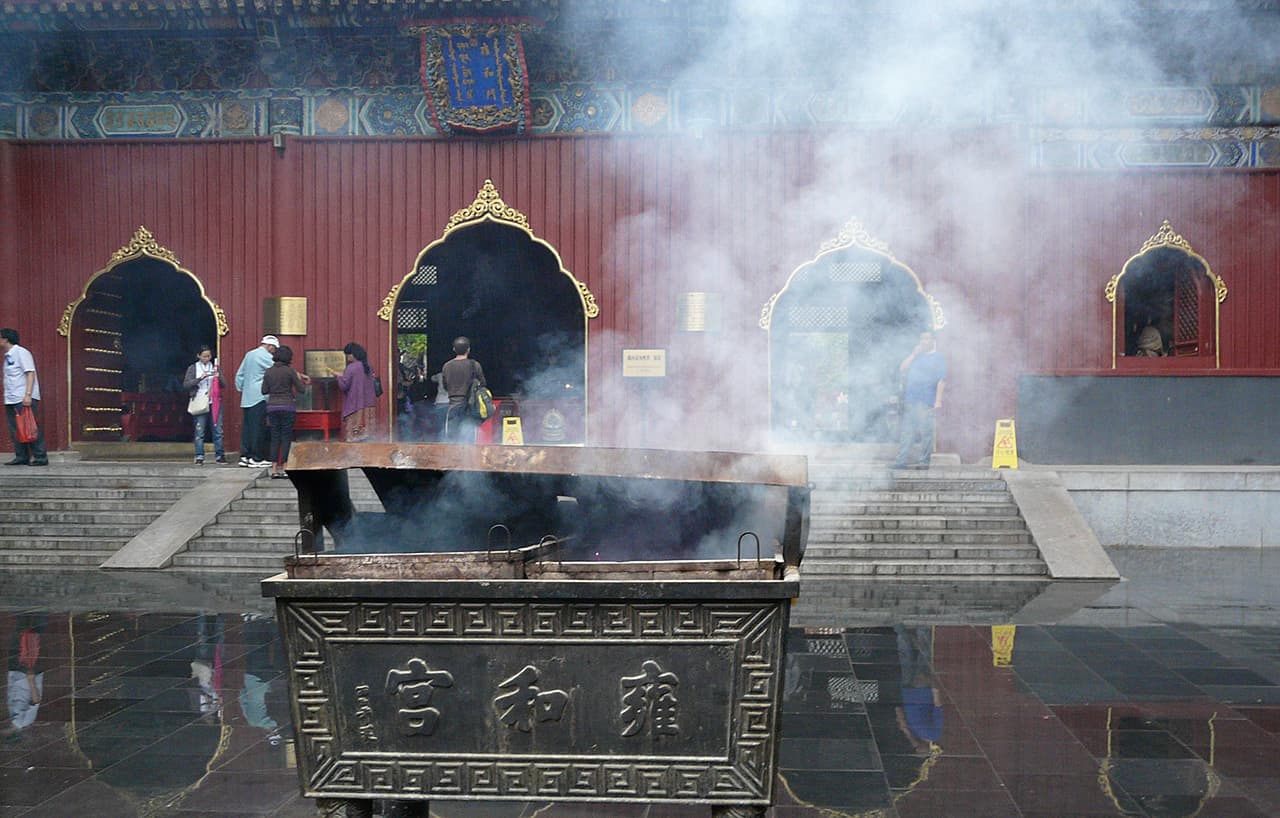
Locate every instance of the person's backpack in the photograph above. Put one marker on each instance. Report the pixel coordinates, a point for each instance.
(479, 398)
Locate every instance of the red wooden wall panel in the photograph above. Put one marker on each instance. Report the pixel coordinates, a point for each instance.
(1017, 259)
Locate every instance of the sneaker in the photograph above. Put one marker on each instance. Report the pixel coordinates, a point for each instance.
(222, 459)
(244, 463)
(199, 461)
(258, 464)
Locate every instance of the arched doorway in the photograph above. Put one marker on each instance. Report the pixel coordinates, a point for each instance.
(130, 337)
(488, 277)
(838, 330)
(1165, 304)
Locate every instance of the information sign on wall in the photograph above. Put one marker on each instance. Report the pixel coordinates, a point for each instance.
(644, 363)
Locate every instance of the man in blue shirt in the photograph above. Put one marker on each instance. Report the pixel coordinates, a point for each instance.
(925, 372)
(253, 435)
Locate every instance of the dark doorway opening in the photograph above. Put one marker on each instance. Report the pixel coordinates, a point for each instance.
(134, 335)
(837, 335)
(506, 291)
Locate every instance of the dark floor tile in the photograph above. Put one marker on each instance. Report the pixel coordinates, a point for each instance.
(1224, 677)
(1047, 754)
(829, 754)
(956, 804)
(248, 793)
(1268, 718)
(1232, 808)
(1063, 795)
(25, 786)
(825, 725)
(837, 790)
(1269, 695)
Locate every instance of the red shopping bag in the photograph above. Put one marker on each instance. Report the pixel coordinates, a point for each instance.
(27, 429)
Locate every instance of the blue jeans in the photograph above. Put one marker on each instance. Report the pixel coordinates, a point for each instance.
(202, 423)
(916, 433)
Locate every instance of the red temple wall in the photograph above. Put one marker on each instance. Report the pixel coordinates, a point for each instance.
(1017, 259)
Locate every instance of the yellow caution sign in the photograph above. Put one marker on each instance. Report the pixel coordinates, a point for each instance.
(1002, 644)
(511, 433)
(1005, 452)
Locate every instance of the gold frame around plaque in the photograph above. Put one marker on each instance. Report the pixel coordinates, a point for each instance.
(489, 207)
(142, 244)
(289, 313)
(1166, 237)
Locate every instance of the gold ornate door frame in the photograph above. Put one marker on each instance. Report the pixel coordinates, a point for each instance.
(100, 351)
(487, 208)
(853, 236)
(1163, 238)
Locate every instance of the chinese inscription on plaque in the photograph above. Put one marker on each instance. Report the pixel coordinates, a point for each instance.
(527, 703)
(412, 688)
(649, 703)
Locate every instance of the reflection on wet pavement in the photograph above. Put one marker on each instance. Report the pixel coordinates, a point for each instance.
(158, 695)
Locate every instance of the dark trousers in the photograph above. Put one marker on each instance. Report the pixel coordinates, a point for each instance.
(253, 435)
(25, 451)
(459, 427)
(281, 435)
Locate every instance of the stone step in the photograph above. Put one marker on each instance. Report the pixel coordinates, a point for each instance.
(97, 504)
(261, 530)
(45, 481)
(110, 516)
(41, 531)
(816, 555)
(922, 537)
(946, 499)
(217, 541)
(218, 544)
(109, 544)
(24, 491)
(845, 505)
(933, 568)
(907, 484)
(267, 564)
(62, 558)
(827, 522)
(283, 515)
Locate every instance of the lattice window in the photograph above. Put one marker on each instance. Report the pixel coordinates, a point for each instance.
(426, 275)
(806, 317)
(857, 272)
(411, 318)
(1186, 314)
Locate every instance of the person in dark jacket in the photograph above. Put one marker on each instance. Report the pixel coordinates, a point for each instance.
(456, 377)
(204, 377)
(281, 384)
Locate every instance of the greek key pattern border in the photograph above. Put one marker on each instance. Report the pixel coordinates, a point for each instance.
(332, 771)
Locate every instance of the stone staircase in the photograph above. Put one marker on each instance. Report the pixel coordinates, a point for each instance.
(75, 515)
(255, 533)
(943, 523)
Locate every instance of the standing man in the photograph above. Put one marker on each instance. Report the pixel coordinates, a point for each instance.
(21, 391)
(253, 403)
(456, 377)
(925, 373)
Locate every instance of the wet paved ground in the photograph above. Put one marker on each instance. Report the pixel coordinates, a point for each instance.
(161, 697)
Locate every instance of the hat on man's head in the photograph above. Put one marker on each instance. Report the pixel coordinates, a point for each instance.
(270, 339)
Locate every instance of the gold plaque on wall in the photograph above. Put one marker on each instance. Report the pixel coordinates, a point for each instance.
(284, 315)
(698, 312)
(318, 362)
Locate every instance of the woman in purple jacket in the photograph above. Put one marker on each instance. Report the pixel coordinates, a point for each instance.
(359, 400)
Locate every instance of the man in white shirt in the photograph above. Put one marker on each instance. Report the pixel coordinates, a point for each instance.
(21, 393)
(253, 434)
